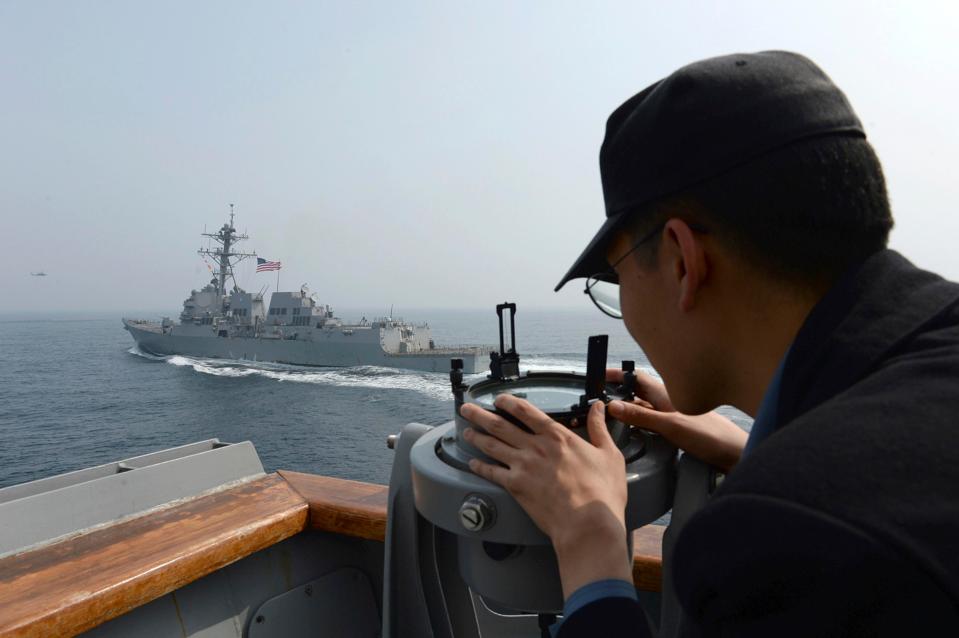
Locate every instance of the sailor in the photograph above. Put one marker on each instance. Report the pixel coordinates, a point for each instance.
(747, 223)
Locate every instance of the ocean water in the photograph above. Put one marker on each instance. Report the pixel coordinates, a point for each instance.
(76, 392)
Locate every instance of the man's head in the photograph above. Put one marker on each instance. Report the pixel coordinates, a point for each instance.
(802, 214)
(752, 178)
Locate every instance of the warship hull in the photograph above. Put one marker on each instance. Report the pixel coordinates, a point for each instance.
(355, 346)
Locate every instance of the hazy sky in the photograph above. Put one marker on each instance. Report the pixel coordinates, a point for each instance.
(413, 153)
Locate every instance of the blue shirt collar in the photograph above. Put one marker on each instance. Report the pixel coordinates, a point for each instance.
(767, 420)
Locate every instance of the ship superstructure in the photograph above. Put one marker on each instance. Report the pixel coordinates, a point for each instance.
(221, 320)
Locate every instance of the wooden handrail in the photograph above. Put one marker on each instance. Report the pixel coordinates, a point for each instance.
(68, 587)
(648, 557)
(359, 509)
(340, 506)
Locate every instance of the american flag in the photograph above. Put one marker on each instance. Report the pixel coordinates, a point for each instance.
(262, 265)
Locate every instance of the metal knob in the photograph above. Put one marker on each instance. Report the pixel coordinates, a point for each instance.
(477, 513)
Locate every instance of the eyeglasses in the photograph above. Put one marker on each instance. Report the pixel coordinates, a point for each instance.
(603, 288)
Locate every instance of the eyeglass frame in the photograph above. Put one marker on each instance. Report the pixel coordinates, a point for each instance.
(612, 269)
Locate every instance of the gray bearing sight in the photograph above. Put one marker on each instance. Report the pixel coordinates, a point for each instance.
(501, 554)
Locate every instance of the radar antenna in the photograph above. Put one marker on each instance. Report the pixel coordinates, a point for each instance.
(225, 238)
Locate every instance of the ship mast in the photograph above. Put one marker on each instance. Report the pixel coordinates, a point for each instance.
(226, 238)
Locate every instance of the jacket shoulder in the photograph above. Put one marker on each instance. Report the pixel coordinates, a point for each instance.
(754, 565)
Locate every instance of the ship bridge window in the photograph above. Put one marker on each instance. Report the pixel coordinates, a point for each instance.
(282, 311)
(296, 311)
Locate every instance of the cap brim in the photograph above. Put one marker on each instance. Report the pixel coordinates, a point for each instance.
(593, 260)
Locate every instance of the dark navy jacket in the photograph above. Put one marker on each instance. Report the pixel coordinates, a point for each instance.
(845, 521)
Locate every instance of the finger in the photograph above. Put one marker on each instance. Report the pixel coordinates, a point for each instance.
(596, 426)
(495, 425)
(647, 382)
(614, 375)
(647, 387)
(634, 414)
(575, 421)
(491, 446)
(494, 473)
(537, 420)
(653, 391)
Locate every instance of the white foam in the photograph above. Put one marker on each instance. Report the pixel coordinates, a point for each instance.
(537, 363)
(546, 363)
(146, 355)
(431, 384)
(434, 385)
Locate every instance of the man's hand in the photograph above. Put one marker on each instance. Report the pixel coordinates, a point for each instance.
(574, 490)
(710, 437)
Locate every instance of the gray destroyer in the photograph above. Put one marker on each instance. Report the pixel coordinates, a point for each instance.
(294, 329)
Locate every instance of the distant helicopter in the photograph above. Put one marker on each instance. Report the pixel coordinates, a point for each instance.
(38, 274)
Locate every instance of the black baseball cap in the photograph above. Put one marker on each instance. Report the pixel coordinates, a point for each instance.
(705, 119)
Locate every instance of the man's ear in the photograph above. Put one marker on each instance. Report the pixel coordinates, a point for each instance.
(689, 264)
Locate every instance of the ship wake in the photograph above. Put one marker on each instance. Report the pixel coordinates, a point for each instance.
(432, 384)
